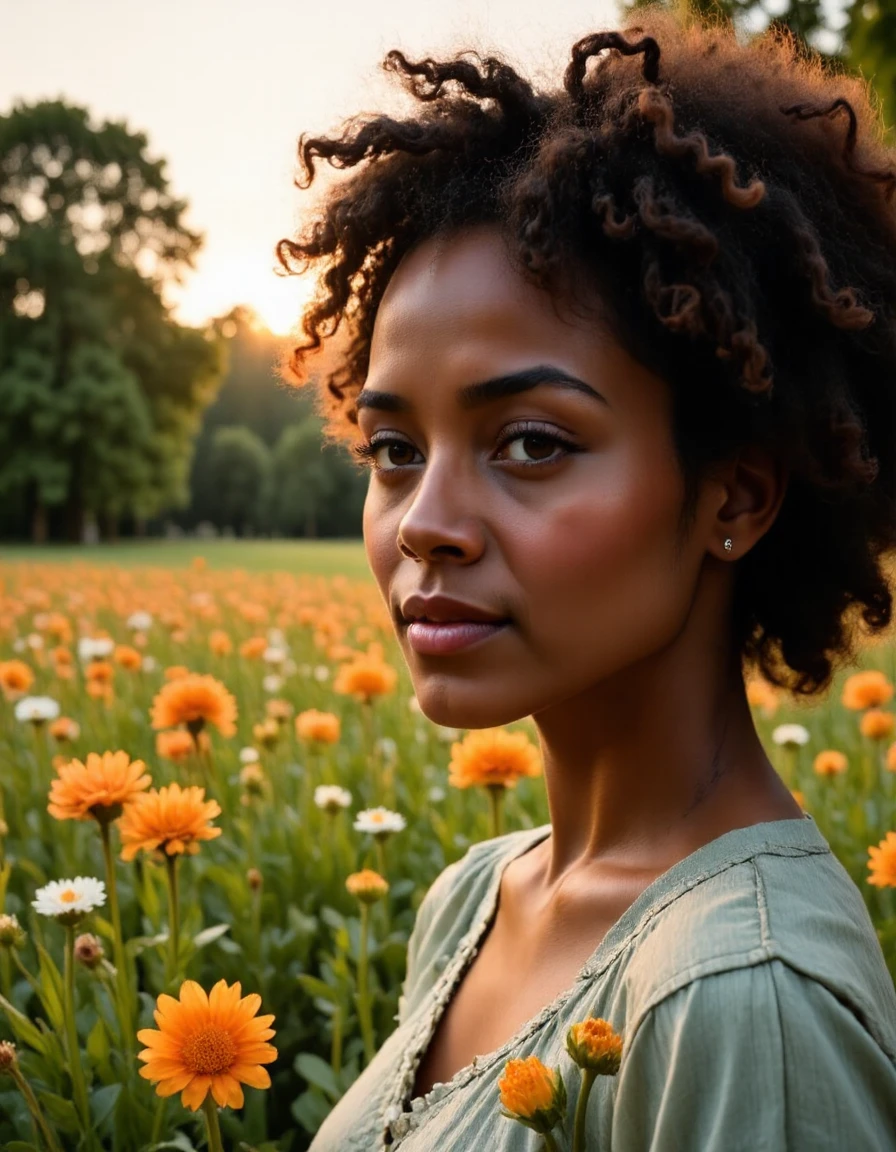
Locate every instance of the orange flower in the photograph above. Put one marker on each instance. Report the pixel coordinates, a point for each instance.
(279, 710)
(593, 1044)
(799, 797)
(253, 648)
(98, 788)
(866, 690)
(365, 677)
(219, 642)
(171, 819)
(320, 726)
(891, 758)
(877, 724)
(176, 745)
(176, 672)
(195, 701)
(64, 728)
(127, 657)
(761, 694)
(493, 756)
(207, 1044)
(15, 678)
(533, 1093)
(830, 763)
(882, 862)
(367, 885)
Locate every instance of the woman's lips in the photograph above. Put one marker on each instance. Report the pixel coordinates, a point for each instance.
(429, 639)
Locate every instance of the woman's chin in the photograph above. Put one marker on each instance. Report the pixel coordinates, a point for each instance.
(453, 712)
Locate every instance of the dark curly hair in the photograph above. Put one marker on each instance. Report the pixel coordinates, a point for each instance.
(733, 205)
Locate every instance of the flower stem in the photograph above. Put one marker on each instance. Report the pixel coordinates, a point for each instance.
(173, 917)
(76, 1071)
(550, 1143)
(40, 1123)
(589, 1075)
(496, 797)
(364, 1014)
(210, 1108)
(121, 970)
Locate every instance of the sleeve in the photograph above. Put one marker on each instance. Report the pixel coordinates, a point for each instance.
(760, 1059)
(420, 941)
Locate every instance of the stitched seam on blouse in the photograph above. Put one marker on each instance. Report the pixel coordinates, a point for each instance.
(428, 1108)
(762, 906)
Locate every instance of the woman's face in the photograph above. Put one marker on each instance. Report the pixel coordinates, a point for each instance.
(553, 507)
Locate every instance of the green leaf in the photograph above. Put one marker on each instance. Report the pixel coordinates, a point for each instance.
(138, 944)
(208, 935)
(102, 1102)
(318, 1072)
(25, 1031)
(51, 988)
(316, 987)
(20, 1146)
(98, 1043)
(60, 1111)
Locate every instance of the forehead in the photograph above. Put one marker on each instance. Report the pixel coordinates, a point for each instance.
(456, 290)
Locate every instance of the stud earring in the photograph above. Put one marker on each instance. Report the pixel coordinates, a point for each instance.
(728, 544)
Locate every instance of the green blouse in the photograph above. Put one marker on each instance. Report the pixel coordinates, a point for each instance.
(756, 1010)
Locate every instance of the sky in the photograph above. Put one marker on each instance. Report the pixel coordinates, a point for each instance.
(224, 88)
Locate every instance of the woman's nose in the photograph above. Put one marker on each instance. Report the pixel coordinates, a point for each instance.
(443, 521)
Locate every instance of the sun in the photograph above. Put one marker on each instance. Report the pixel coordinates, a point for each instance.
(280, 301)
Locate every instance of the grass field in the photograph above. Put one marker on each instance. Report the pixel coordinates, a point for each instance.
(316, 557)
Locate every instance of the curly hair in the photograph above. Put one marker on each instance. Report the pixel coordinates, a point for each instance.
(733, 205)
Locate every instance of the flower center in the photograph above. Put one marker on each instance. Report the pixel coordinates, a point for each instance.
(68, 896)
(208, 1051)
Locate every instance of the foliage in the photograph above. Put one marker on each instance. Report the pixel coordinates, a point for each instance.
(102, 389)
(240, 472)
(863, 36)
(315, 490)
(295, 939)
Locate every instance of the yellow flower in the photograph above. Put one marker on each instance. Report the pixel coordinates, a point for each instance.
(171, 819)
(365, 677)
(493, 756)
(98, 788)
(533, 1094)
(320, 726)
(368, 886)
(882, 862)
(866, 690)
(195, 701)
(593, 1044)
(877, 724)
(830, 763)
(207, 1044)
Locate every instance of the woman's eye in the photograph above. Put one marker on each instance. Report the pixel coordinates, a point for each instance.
(529, 448)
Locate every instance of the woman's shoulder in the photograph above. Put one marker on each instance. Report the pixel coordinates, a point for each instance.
(784, 899)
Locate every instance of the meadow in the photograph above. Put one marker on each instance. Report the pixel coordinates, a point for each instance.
(217, 788)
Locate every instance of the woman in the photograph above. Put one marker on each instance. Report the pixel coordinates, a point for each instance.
(621, 357)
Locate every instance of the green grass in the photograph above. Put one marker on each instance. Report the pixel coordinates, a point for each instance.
(319, 557)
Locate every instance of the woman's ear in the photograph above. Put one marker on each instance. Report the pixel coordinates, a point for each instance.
(753, 487)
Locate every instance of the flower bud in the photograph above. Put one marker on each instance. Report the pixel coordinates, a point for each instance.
(593, 1044)
(368, 886)
(8, 1058)
(533, 1094)
(254, 879)
(88, 950)
(12, 935)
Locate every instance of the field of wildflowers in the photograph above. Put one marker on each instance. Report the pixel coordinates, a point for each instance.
(220, 808)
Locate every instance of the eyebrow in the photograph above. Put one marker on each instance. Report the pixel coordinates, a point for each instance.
(483, 392)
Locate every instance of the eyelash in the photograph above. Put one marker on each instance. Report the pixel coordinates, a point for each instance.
(366, 451)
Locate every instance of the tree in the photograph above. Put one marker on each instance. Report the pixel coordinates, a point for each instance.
(241, 469)
(101, 391)
(865, 41)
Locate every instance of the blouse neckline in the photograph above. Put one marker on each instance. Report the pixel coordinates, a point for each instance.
(796, 834)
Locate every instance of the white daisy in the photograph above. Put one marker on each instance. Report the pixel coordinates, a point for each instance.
(94, 648)
(139, 622)
(274, 655)
(37, 709)
(35, 641)
(272, 683)
(790, 735)
(321, 673)
(149, 664)
(436, 794)
(248, 755)
(69, 900)
(330, 797)
(379, 822)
